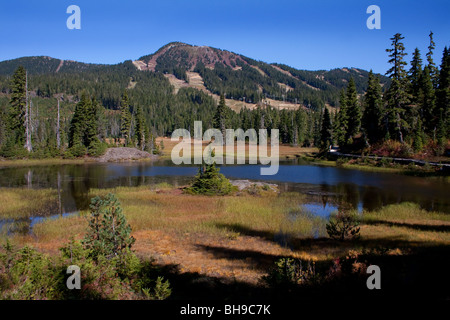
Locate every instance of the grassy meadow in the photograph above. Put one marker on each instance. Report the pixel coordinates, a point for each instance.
(238, 238)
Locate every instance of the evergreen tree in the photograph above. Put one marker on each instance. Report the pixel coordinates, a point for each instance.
(84, 130)
(418, 136)
(414, 75)
(221, 117)
(326, 131)
(353, 112)
(18, 107)
(78, 127)
(140, 131)
(397, 96)
(441, 133)
(92, 121)
(433, 70)
(108, 233)
(373, 111)
(125, 118)
(443, 94)
(427, 102)
(341, 125)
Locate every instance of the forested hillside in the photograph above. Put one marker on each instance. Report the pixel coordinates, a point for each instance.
(133, 102)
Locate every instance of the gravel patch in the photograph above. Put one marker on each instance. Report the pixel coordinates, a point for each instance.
(125, 154)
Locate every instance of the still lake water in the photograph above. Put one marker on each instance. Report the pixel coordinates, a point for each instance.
(326, 187)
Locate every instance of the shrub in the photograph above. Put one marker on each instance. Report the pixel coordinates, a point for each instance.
(160, 291)
(30, 275)
(209, 181)
(75, 151)
(108, 233)
(343, 226)
(289, 271)
(97, 149)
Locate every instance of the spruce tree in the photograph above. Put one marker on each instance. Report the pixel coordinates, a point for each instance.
(140, 130)
(341, 124)
(17, 108)
(353, 112)
(443, 95)
(92, 124)
(397, 96)
(326, 131)
(108, 234)
(433, 70)
(414, 75)
(125, 118)
(78, 127)
(427, 102)
(372, 121)
(221, 117)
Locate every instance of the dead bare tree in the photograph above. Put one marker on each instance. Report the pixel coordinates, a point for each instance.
(28, 145)
(58, 134)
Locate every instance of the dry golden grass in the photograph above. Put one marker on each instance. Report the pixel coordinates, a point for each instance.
(38, 162)
(285, 151)
(241, 236)
(22, 202)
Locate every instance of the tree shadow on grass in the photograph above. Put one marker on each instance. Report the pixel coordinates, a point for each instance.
(421, 270)
(419, 227)
(322, 243)
(196, 286)
(256, 259)
(421, 275)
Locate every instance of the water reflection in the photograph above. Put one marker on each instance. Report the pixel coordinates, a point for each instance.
(327, 188)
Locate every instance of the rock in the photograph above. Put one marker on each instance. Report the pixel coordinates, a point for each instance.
(125, 154)
(247, 185)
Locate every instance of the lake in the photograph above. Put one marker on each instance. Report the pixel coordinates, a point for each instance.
(326, 188)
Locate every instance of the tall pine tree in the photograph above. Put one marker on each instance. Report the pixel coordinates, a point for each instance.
(341, 125)
(372, 121)
(433, 70)
(125, 118)
(353, 112)
(443, 98)
(414, 75)
(427, 102)
(18, 108)
(222, 115)
(397, 97)
(326, 131)
(140, 130)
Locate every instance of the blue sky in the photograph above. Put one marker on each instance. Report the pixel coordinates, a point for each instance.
(311, 35)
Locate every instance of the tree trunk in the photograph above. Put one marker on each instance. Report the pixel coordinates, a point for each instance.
(27, 118)
(58, 136)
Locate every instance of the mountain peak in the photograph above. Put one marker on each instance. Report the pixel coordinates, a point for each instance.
(186, 56)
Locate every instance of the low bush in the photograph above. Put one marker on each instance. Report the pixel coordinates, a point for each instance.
(291, 272)
(108, 267)
(210, 182)
(343, 225)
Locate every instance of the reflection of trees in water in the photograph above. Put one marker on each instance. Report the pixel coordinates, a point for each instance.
(348, 195)
(73, 183)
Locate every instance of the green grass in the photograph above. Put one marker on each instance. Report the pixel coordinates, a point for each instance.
(165, 209)
(23, 203)
(39, 162)
(403, 212)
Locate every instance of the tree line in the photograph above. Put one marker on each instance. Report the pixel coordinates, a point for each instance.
(414, 110)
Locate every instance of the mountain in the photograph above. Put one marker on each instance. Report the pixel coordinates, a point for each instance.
(244, 81)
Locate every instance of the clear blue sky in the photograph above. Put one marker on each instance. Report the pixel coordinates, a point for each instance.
(315, 34)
